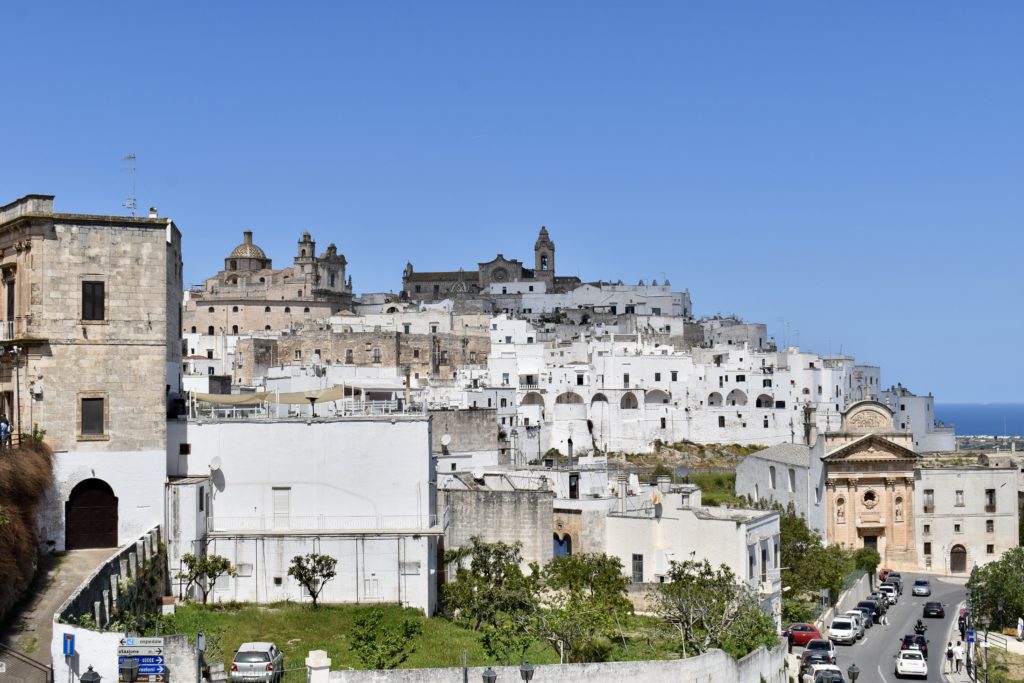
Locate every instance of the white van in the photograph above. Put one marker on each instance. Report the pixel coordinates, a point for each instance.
(857, 617)
(843, 630)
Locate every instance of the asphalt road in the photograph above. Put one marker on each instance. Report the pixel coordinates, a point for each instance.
(875, 653)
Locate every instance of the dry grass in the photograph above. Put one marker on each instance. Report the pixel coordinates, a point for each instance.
(25, 475)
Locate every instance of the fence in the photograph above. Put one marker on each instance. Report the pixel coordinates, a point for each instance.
(17, 668)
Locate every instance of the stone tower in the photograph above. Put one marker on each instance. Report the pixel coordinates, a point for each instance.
(305, 261)
(544, 257)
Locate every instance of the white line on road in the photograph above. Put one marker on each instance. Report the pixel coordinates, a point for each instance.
(882, 675)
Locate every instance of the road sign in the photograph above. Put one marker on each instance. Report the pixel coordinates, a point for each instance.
(141, 659)
(152, 678)
(142, 642)
(139, 651)
(69, 644)
(970, 637)
(151, 669)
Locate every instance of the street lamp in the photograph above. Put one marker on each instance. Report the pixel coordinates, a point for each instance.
(489, 675)
(129, 669)
(853, 672)
(90, 676)
(526, 671)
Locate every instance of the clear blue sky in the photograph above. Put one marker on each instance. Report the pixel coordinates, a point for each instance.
(853, 169)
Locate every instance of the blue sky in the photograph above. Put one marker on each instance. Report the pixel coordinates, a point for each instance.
(853, 170)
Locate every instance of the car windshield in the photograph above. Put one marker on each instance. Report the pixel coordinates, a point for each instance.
(844, 625)
(252, 656)
(913, 655)
(869, 605)
(920, 582)
(819, 645)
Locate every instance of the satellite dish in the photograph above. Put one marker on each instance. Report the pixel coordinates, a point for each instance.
(215, 462)
(478, 472)
(446, 439)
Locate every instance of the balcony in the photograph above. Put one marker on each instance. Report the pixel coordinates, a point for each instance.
(990, 507)
(928, 509)
(7, 330)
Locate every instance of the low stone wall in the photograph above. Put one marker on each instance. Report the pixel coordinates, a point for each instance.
(760, 666)
(132, 579)
(848, 599)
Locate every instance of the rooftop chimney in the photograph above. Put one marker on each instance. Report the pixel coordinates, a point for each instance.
(152, 212)
(623, 479)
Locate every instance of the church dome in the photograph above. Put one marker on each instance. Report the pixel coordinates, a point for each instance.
(247, 249)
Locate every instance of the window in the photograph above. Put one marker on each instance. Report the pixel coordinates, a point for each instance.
(625, 380)
(437, 289)
(927, 528)
(508, 339)
(764, 423)
(298, 354)
(406, 327)
(92, 301)
(202, 500)
(348, 356)
(93, 416)
(504, 403)
(193, 329)
(990, 500)
(675, 375)
(956, 527)
(663, 423)
(417, 289)
(444, 358)
(209, 331)
(741, 378)
(771, 477)
(287, 309)
(638, 568)
(990, 549)
(415, 353)
(657, 377)
(579, 380)
(927, 547)
(234, 309)
(959, 498)
(766, 383)
(990, 526)
(234, 329)
(376, 354)
(929, 500)
(792, 480)
(266, 309)
(433, 328)
(721, 420)
(504, 379)
(306, 309)
(472, 356)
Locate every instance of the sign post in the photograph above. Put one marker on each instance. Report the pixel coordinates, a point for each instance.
(144, 659)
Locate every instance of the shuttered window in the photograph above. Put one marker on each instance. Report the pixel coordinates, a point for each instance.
(92, 417)
(92, 301)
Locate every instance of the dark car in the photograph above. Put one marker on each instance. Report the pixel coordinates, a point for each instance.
(818, 651)
(801, 633)
(894, 577)
(915, 642)
(881, 600)
(934, 609)
(870, 609)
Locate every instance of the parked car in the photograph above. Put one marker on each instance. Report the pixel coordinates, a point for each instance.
(884, 573)
(821, 673)
(911, 663)
(819, 651)
(915, 642)
(842, 630)
(890, 592)
(257, 663)
(858, 621)
(934, 609)
(895, 577)
(870, 607)
(881, 599)
(801, 633)
(922, 587)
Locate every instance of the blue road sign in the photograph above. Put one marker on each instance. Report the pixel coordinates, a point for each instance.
(970, 636)
(69, 644)
(151, 669)
(142, 659)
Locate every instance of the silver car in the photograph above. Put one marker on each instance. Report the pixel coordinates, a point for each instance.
(257, 663)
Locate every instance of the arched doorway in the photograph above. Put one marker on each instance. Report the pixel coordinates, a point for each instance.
(561, 547)
(90, 516)
(958, 560)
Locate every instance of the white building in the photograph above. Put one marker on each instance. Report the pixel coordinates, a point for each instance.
(917, 414)
(261, 491)
(787, 473)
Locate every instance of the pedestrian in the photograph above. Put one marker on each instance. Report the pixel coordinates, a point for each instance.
(883, 619)
(962, 626)
(5, 431)
(949, 657)
(958, 654)
(789, 640)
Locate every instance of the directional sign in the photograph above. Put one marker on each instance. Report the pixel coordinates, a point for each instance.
(141, 642)
(970, 636)
(141, 660)
(139, 651)
(151, 678)
(151, 669)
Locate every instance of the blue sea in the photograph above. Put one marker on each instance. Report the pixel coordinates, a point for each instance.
(983, 419)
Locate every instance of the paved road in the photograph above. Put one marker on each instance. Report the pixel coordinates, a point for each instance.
(875, 653)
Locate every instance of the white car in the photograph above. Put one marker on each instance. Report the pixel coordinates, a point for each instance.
(857, 617)
(911, 663)
(890, 592)
(823, 673)
(843, 630)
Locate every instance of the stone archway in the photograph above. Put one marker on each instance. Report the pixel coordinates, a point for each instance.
(90, 516)
(957, 559)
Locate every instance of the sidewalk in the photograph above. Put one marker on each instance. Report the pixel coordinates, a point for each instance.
(952, 637)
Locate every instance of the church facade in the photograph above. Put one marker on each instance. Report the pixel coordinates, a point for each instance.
(250, 295)
(437, 285)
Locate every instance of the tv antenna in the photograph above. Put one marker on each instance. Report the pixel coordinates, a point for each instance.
(130, 202)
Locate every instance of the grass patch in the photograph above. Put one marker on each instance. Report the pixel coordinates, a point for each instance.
(1005, 667)
(297, 629)
(30, 645)
(716, 487)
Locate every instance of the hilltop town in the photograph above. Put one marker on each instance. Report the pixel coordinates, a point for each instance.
(275, 412)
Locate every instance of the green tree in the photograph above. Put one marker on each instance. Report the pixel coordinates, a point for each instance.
(508, 639)
(996, 588)
(312, 571)
(710, 608)
(379, 647)
(489, 582)
(585, 598)
(867, 559)
(208, 567)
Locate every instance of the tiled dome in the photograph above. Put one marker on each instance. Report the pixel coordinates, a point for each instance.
(247, 249)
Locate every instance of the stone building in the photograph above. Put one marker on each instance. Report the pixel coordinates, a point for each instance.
(432, 286)
(91, 354)
(249, 295)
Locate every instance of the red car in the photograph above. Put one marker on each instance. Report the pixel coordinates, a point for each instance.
(801, 633)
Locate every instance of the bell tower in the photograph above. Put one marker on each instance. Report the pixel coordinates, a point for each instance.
(544, 257)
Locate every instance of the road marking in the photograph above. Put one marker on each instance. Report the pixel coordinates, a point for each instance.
(882, 675)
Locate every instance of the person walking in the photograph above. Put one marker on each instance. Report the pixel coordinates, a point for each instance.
(949, 657)
(958, 655)
(5, 432)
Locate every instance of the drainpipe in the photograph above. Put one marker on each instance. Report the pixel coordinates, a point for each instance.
(623, 490)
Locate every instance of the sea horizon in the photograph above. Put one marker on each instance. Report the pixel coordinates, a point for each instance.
(983, 419)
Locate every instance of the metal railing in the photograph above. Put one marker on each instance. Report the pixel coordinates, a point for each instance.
(278, 523)
(929, 509)
(990, 508)
(7, 330)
